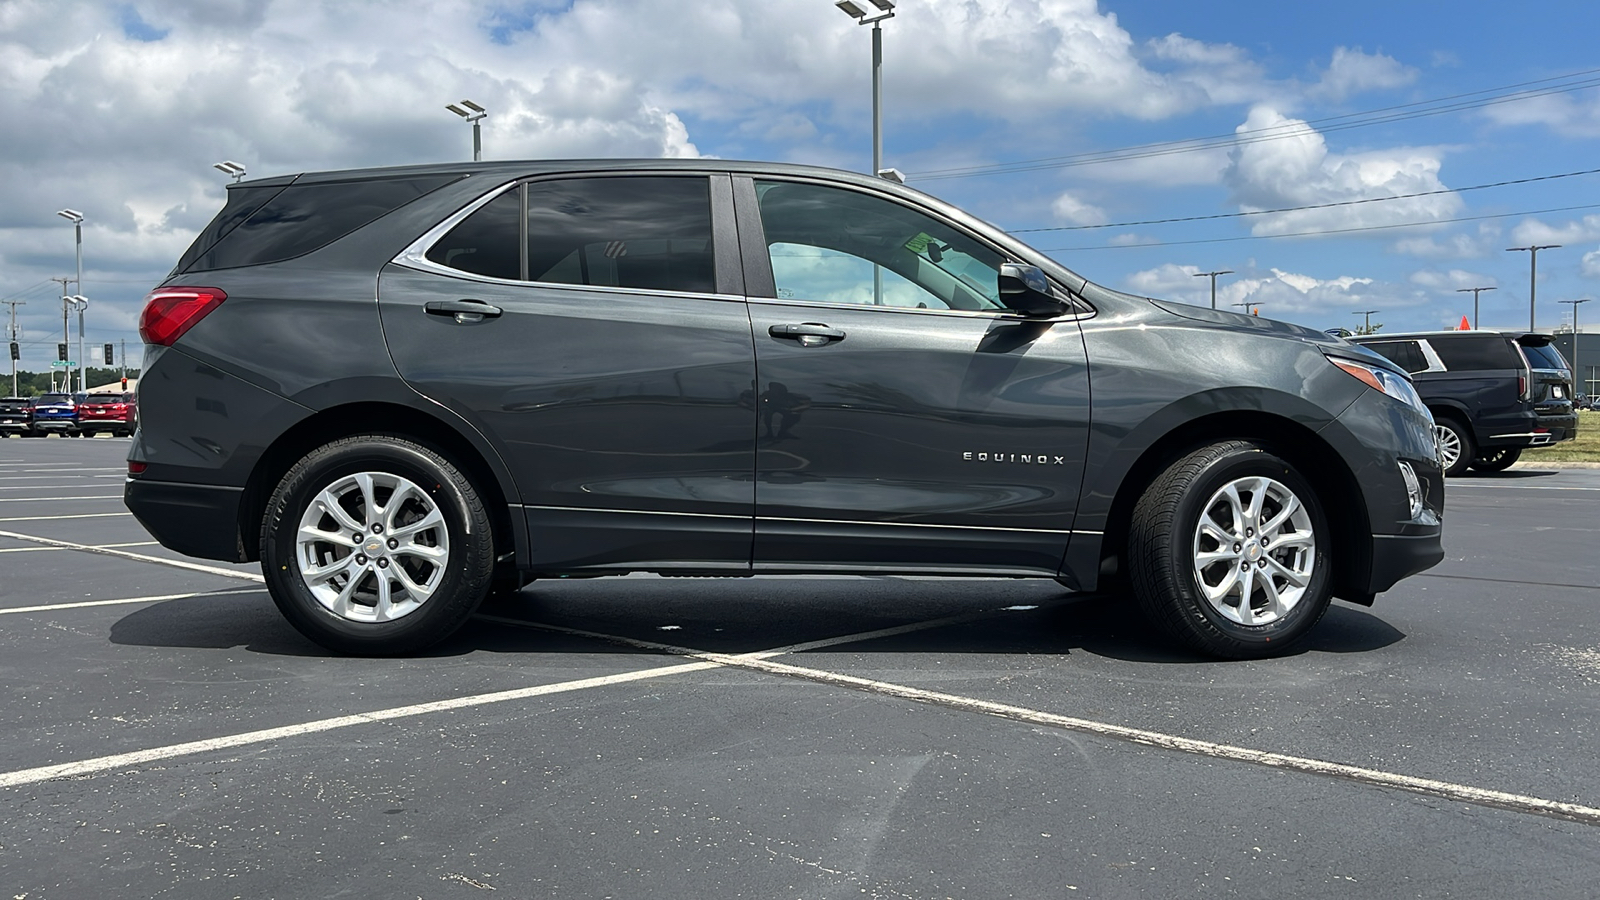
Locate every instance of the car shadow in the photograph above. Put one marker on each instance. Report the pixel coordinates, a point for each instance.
(1509, 473)
(545, 620)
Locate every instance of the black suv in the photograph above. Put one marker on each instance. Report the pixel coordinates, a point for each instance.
(16, 417)
(402, 389)
(1491, 393)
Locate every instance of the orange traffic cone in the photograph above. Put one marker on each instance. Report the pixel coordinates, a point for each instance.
(1464, 325)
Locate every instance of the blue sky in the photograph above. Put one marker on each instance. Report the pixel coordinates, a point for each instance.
(119, 110)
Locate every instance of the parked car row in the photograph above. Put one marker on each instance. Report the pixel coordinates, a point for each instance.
(69, 415)
(1491, 393)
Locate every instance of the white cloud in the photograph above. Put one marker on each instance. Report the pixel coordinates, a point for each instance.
(1075, 211)
(1279, 294)
(1299, 170)
(1591, 264)
(1486, 242)
(1533, 231)
(1566, 114)
(1452, 279)
(1352, 71)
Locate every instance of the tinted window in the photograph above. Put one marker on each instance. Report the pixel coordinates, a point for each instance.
(242, 203)
(651, 233)
(1405, 354)
(1487, 351)
(1545, 357)
(304, 217)
(485, 243)
(825, 244)
(54, 398)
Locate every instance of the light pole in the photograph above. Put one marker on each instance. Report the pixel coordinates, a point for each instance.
(1213, 277)
(475, 114)
(76, 218)
(231, 168)
(1577, 371)
(1248, 311)
(1367, 328)
(1475, 292)
(81, 303)
(862, 17)
(13, 337)
(1533, 271)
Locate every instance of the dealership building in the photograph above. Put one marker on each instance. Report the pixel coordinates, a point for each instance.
(1584, 358)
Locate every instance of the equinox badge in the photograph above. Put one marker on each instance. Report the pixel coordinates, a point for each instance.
(1032, 459)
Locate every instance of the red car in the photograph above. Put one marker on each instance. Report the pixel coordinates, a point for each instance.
(116, 413)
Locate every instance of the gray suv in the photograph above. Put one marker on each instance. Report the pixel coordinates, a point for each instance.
(402, 390)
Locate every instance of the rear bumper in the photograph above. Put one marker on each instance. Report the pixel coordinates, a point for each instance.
(43, 425)
(193, 519)
(1397, 556)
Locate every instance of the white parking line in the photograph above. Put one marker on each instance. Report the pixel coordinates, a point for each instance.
(1521, 487)
(265, 735)
(759, 662)
(80, 604)
(75, 516)
(56, 499)
(63, 549)
(175, 563)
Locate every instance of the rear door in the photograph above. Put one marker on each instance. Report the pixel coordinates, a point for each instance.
(608, 356)
(907, 420)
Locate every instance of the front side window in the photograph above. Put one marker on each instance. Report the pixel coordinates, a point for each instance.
(840, 246)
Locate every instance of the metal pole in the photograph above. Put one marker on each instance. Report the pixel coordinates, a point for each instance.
(877, 137)
(477, 142)
(12, 335)
(1533, 272)
(66, 335)
(1475, 291)
(83, 384)
(1577, 370)
(1213, 277)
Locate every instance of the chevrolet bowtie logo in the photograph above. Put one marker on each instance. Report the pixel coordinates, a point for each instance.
(1032, 459)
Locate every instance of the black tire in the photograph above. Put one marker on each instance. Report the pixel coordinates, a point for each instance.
(462, 578)
(1497, 460)
(87, 434)
(1164, 553)
(1450, 429)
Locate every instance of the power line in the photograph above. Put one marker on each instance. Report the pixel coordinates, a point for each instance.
(1268, 212)
(1378, 116)
(1263, 237)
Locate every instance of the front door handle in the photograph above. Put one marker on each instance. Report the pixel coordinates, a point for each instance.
(465, 312)
(809, 334)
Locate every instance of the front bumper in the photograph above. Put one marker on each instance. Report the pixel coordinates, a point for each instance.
(193, 519)
(1397, 556)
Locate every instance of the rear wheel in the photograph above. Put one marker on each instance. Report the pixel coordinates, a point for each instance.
(1228, 552)
(376, 545)
(1497, 460)
(1456, 447)
(87, 434)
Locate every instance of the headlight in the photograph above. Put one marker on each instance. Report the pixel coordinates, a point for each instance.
(1385, 382)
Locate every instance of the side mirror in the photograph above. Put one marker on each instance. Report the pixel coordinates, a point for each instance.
(1025, 289)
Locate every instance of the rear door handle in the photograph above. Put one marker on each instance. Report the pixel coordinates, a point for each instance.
(465, 312)
(809, 334)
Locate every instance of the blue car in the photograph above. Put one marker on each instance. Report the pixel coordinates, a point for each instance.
(56, 414)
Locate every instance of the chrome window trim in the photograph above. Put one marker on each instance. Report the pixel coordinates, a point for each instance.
(1009, 315)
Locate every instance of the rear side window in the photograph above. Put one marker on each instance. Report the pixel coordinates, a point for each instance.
(1476, 352)
(305, 217)
(242, 203)
(1405, 354)
(1545, 357)
(650, 233)
(485, 243)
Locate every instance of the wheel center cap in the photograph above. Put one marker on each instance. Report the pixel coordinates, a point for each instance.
(1252, 551)
(373, 547)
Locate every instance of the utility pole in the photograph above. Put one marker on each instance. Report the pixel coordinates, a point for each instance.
(1533, 272)
(1475, 292)
(1578, 382)
(13, 335)
(1213, 277)
(1248, 311)
(1367, 328)
(66, 333)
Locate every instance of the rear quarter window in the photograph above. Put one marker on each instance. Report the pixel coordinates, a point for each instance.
(305, 217)
(1469, 352)
(1405, 354)
(1545, 357)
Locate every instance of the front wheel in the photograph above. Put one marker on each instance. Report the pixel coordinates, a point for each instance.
(376, 545)
(1228, 552)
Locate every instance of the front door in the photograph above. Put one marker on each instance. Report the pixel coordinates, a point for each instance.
(907, 420)
(579, 323)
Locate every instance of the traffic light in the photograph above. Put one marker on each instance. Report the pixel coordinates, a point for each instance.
(109, 359)
(16, 352)
(61, 352)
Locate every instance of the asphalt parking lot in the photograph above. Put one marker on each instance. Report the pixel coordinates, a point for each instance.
(167, 734)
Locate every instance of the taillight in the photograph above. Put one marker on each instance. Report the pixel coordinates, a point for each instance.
(1522, 387)
(169, 312)
(137, 468)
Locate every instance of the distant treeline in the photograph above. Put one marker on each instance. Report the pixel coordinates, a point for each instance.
(30, 384)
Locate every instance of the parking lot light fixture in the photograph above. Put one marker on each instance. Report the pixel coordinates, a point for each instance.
(1533, 272)
(76, 218)
(1578, 382)
(1475, 292)
(475, 114)
(231, 168)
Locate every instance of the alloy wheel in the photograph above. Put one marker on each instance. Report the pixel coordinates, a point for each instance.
(372, 547)
(1254, 551)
